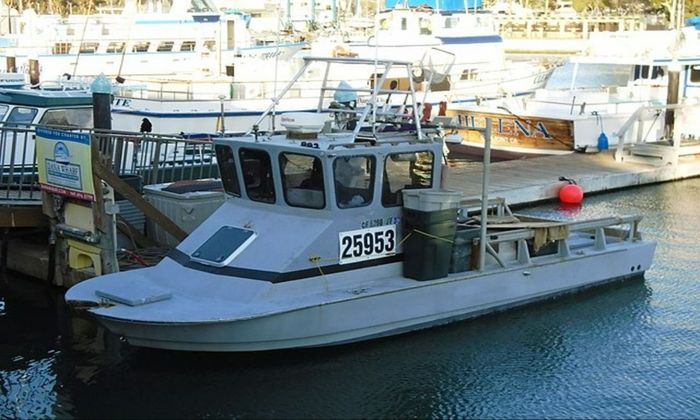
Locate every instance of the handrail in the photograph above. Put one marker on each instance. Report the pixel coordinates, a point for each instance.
(525, 233)
(619, 135)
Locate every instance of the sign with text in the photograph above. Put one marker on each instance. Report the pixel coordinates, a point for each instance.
(64, 163)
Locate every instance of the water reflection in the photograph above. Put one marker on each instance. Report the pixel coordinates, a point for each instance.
(28, 388)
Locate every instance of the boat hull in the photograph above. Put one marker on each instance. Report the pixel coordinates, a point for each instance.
(368, 315)
(498, 153)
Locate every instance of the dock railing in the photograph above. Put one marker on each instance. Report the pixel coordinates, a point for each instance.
(19, 183)
(154, 158)
(158, 158)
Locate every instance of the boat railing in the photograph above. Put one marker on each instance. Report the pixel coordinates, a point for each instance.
(192, 90)
(372, 104)
(623, 134)
(531, 235)
(580, 107)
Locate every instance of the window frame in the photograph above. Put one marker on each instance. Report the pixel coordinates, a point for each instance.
(398, 201)
(165, 46)
(35, 112)
(694, 73)
(282, 157)
(368, 196)
(115, 47)
(228, 179)
(271, 182)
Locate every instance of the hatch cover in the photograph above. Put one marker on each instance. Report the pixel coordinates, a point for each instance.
(223, 246)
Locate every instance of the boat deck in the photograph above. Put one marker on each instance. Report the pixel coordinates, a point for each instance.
(527, 181)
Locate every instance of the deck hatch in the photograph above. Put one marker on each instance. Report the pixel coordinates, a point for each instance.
(223, 246)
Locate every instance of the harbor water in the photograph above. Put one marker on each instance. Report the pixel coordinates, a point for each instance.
(627, 350)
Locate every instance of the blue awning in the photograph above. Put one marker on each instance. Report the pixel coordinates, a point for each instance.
(694, 21)
(437, 4)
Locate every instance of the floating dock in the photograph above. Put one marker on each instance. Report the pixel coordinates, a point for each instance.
(529, 181)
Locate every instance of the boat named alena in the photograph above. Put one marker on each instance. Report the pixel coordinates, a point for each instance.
(336, 230)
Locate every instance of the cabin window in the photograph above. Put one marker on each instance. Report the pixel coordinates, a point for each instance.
(354, 180)
(61, 48)
(72, 117)
(405, 170)
(642, 72)
(115, 47)
(404, 24)
(384, 24)
(141, 47)
(425, 26)
(468, 74)
(227, 169)
(257, 175)
(165, 46)
(451, 22)
(89, 47)
(21, 115)
(187, 46)
(210, 45)
(302, 180)
(695, 74)
(3, 111)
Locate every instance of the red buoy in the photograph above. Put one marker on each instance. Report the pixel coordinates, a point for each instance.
(571, 194)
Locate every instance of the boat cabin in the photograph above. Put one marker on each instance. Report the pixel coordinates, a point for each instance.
(343, 184)
(319, 178)
(322, 177)
(46, 106)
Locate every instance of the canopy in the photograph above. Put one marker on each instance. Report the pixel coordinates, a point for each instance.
(436, 4)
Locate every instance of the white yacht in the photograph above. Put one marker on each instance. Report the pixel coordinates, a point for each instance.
(587, 118)
(166, 37)
(461, 52)
(336, 231)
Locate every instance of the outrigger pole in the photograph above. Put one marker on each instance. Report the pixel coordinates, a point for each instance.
(485, 193)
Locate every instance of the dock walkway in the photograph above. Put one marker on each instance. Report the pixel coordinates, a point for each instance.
(529, 181)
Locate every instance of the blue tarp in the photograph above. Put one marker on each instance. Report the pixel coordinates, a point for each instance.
(694, 21)
(436, 4)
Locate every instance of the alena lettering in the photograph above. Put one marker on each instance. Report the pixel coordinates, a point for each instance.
(510, 127)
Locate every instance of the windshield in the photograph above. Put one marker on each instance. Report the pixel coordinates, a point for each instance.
(22, 115)
(74, 117)
(257, 175)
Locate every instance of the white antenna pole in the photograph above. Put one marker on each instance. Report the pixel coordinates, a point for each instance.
(277, 54)
(376, 65)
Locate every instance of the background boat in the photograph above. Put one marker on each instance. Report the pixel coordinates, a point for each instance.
(567, 119)
(179, 37)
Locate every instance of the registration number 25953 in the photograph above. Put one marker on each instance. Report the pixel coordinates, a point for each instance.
(367, 244)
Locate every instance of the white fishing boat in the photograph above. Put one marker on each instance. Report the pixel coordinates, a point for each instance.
(166, 37)
(337, 231)
(480, 68)
(564, 120)
(463, 48)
